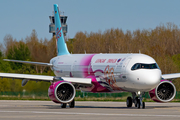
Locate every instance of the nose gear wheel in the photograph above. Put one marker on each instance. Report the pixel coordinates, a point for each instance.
(129, 102)
(137, 100)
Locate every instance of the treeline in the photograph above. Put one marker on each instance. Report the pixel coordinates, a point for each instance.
(161, 43)
(28, 49)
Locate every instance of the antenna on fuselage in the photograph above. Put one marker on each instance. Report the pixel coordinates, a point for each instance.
(139, 51)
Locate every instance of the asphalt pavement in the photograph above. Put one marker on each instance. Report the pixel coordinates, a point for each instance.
(86, 110)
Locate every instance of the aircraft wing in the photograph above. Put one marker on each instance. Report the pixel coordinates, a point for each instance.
(46, 78)
(29, 62)
(27, 77)
(171, 76)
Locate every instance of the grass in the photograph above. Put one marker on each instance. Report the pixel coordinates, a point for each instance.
(44, 98)
(23, 98)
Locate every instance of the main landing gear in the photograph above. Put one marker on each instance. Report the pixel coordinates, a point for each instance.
(137, 100)
(71, 104)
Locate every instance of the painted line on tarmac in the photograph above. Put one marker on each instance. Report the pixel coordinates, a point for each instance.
(51, 101)
(95, 102)
(78, 102)
(98, 114)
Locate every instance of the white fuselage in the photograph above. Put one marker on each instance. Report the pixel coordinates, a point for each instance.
(114, 70)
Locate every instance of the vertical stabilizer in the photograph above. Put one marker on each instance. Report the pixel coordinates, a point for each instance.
(61, 45)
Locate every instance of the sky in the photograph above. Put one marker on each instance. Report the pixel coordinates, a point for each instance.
(19, 17)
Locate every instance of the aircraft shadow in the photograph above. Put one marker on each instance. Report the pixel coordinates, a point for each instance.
(104, 107)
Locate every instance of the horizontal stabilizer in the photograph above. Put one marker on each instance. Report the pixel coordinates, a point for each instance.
(29, 62)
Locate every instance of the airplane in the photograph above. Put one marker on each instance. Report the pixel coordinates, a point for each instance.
(97, 73)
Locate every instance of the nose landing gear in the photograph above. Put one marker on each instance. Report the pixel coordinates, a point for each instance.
(137, 100)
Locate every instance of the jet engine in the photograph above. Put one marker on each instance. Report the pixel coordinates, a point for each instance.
(164, 92)
(61, 92)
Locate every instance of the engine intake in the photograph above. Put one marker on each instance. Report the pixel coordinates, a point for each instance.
(164, 92)
(61, 92)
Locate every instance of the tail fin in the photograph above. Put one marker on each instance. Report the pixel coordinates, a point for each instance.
(61, 45)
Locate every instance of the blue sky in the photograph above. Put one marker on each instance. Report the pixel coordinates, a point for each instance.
(20, 17)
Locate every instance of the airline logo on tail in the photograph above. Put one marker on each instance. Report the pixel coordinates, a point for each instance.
(58, 33)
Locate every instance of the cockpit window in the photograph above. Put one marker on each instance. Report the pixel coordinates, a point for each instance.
(144, 66)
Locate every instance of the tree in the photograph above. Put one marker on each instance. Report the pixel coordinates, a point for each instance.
(19, 52)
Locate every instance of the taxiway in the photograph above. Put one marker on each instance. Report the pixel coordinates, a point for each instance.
(86, 110)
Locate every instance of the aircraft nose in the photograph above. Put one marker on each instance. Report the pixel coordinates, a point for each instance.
(152, 78)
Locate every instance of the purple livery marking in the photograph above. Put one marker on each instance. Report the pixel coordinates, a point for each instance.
(86, 61)
(118, 60)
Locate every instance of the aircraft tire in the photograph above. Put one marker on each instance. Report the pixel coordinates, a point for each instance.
(138, 104)
(143, 105)
(129, 102)
(72, 104)
(63, 105)
(135, 102)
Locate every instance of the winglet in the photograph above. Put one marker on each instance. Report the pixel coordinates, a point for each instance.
(61, 45)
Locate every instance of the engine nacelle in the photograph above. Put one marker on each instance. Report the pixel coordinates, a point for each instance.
(61, 92)
(164, 92)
